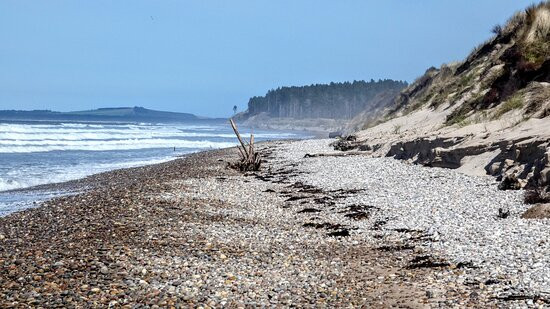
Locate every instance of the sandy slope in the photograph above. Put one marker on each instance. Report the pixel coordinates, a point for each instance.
(495, 147)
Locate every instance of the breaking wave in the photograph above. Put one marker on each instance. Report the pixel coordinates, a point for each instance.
(22, 138)
(106, 145)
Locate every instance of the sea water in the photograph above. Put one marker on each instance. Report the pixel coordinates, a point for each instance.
(39, 152)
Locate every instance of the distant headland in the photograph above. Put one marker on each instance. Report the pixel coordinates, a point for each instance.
(100, 114)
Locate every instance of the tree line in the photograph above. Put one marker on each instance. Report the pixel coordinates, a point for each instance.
(335, 100)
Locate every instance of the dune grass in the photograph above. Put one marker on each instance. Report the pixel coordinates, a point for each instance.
(515, 102)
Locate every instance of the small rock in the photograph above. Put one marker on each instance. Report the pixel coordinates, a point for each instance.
(509, 182)
(104, 270)
(143, 282)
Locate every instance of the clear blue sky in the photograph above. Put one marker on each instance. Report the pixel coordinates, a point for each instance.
(205, 56)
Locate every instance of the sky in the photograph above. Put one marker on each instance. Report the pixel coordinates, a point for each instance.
(205, 56)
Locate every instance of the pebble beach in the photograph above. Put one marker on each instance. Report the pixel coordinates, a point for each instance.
(304, 231)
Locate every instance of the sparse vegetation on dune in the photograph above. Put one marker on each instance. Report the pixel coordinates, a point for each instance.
(458, 117)
(493, 77)
(499, 95)
(515, 102)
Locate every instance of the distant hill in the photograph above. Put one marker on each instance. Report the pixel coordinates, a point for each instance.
(100, 114)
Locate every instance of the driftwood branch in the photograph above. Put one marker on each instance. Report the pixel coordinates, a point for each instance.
(250, 160)
(251, 145)
(336, 154)
(243, 151)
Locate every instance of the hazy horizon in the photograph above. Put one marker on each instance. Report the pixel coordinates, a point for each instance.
(204, 57)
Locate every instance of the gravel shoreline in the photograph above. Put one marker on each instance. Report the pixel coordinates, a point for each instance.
(307, 232)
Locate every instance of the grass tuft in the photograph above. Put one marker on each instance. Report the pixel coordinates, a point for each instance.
(536, 52)
(397, 129)
(515, 102)
(458, 117)
(535, 44)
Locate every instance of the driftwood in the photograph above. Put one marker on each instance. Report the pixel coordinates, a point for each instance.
(250, 159)
(243, 154)
(336, 154)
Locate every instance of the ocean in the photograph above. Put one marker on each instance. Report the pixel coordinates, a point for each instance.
(40, 152)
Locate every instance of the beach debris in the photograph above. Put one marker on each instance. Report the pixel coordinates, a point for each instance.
(426, 261)
(388, 248)
(345, 145)
(503, 214)
(378, 224)
(295, 198)
(510, 182)
(536, 195)
(524, 297)
(250, 159)
(308, 210)
(337, 154)
(468, 264)
(358, 212)
(340, 233)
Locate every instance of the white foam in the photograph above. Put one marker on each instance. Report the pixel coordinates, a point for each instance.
(24, 138)
(105, 135)
(130, 144)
